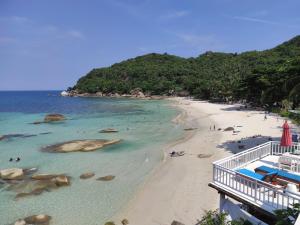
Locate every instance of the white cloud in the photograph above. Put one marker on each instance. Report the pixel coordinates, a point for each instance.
(15, 19)
(56, 32)
(75, 34)
(208, 42)
(174, 15)
(7, 40)
(263, 21)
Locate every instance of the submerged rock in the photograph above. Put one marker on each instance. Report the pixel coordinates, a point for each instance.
(190, 128)
(108, 130)
(20, 222)
(11, 174)
(43, 176)
(107, 178)
(125, 222)
(86, 175)
(110, 223)
(54, 117)
(38, 219)
(10, 136)
(80, 145)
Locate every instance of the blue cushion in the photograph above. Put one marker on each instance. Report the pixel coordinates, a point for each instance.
(280, 173)
(251, 174)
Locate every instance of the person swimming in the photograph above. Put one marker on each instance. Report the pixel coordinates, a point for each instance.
(18, 159)
(11, 159)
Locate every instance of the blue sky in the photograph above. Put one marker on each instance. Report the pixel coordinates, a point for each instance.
(50, 44)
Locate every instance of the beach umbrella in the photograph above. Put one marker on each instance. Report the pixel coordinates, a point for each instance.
(286, 139)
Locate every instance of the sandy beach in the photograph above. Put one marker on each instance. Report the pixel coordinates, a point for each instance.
(178, 188)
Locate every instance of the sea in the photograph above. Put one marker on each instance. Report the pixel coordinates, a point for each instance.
(145, 127)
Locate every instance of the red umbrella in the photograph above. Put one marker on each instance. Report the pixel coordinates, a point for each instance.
(286, 139)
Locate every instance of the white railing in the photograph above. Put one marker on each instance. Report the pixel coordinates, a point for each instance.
(276, 149)
(258, 192)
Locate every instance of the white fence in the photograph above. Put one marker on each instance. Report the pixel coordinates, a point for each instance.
(258, 192)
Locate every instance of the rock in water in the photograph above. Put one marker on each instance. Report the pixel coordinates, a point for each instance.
(11, 174)
(108, 130)
(43, 176)
(110, 223)
(61, 180)
(38, 219)
(53, 118)
(80, 145)
(86, 175)
(20, 222)
(107, 178)
(125, 222)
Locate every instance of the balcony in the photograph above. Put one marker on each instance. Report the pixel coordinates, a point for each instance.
(266, 194)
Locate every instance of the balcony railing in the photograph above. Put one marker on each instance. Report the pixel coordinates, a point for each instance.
(260, 193)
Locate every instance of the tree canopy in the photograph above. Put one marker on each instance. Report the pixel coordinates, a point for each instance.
(260, 77)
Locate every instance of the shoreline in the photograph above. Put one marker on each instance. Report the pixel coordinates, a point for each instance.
(177, 189)
(186, 119)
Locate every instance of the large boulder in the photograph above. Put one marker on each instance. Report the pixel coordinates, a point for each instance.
(61, 180)
(54, 118)
(137, 92)
(80, 145)
(11, 174)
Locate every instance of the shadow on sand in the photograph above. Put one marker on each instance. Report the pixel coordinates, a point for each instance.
(245, 143)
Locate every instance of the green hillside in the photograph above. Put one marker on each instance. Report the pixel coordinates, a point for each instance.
(260, 77)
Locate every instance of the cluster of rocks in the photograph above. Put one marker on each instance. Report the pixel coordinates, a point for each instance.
(79, 145)
(26, 183)
(124, 222)
(135, 93)
(88, 175)
(49, 118)
(41, 219)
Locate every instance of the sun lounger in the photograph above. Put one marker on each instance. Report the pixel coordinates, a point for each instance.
(251, 174)
(282, 175)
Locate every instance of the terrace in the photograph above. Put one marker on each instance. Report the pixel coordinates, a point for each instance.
(264, 177)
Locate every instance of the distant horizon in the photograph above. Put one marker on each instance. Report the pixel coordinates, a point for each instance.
(42, 48)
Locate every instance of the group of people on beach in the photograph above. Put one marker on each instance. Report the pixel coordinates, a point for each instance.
(17, 159)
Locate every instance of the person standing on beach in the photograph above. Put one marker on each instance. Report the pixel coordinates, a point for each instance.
(214, 127)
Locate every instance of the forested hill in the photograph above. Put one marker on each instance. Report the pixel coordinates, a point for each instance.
(261, 77)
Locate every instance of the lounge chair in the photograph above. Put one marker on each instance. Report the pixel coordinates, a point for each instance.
(281, 174)
(251, 174)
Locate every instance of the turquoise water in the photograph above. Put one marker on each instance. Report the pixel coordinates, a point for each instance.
(144, 127)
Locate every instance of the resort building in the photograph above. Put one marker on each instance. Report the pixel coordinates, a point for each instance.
(259, 181)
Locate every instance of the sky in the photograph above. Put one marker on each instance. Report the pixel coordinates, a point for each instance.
(50, 44)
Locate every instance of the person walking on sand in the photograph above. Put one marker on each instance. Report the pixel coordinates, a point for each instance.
(214, 127)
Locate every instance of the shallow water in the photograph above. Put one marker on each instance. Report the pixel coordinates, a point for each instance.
(144, 127)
